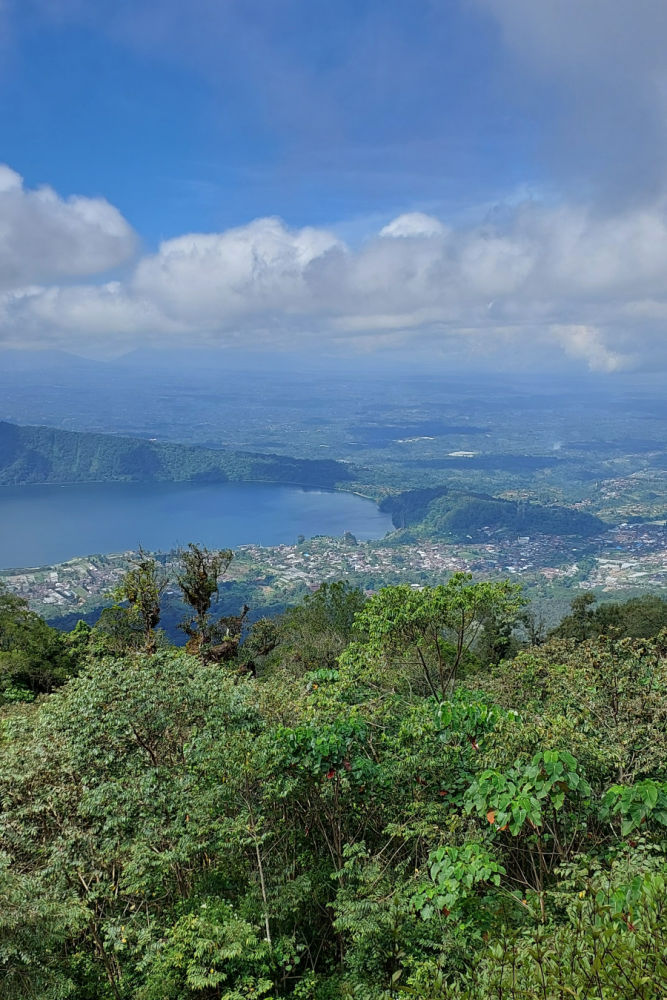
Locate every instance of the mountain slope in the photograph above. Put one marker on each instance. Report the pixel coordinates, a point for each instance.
(440, 512)
(49, 455)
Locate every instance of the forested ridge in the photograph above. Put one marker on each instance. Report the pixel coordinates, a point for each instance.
(417, 793)
(50, 455)
(443, 512)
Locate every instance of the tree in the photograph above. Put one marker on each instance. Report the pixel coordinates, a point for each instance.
(173, 831)
(116, 810)
(438, 625)
(142, 587)
(34, 658)
(580, 623)
(534, 627)
(262, 639)
(319, 628)
(116, 632)
(640, 617)
(35, 927)
(199, 581)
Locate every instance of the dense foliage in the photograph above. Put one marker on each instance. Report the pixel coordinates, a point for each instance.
(367, 800)
(640, 617)
(34, 658)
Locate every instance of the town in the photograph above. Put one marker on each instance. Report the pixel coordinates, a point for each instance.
(630, 557)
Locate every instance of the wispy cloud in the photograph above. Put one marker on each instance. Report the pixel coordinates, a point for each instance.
(599, 67)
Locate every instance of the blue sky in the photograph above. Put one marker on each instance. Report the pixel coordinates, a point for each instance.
(455, 177)
(318, 112)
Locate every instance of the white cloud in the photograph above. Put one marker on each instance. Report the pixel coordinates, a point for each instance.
(9, 179)
(593, 287)
(413, 224)
(44, 237)
(213, 278)
(586, 342)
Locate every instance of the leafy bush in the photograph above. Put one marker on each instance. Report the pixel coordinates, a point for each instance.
(383, 817)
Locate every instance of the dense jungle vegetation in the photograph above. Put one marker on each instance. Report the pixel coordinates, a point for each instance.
(415, 794)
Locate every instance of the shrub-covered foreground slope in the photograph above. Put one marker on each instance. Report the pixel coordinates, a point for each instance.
(50, 455)
(383, 810)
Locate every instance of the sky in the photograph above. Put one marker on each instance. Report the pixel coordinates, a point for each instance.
(468, 182)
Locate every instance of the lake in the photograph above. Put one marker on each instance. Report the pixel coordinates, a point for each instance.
(42, 525)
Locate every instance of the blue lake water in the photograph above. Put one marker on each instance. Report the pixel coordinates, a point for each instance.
(40, 525)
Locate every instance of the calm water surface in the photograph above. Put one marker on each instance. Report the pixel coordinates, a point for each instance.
(40, 525)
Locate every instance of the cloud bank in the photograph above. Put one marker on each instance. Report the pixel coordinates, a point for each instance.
(44, 237)
(599, 67)
(527, 278)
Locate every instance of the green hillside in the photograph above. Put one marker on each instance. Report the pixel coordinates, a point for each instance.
(439, 512)
(49, 455)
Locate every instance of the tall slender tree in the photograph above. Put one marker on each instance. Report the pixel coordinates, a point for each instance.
(142, 587)
(199, 581)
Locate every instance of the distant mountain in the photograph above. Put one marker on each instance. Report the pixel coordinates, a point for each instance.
(440, 512)
(49, 455)
(39, 363)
